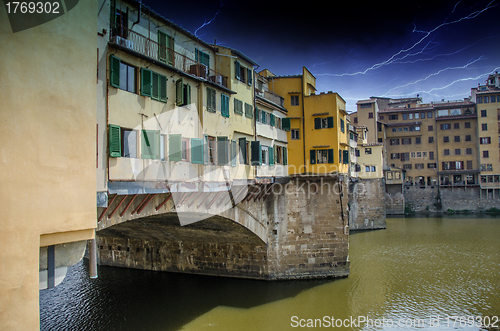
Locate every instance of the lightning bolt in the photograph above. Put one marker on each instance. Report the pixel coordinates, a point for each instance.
(450, 84)
(213, 18)
(435, 74)
(406, 51)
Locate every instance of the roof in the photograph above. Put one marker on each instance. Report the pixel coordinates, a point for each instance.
(360, 102)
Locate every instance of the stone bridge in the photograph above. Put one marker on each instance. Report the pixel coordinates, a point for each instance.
(296, 227)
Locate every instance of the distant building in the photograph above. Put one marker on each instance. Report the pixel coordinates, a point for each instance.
(318, 137)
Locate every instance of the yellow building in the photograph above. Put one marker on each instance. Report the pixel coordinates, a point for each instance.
(48, 111)
(318, 138)
(487, 98)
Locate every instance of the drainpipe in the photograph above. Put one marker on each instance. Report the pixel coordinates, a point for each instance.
(138, 15)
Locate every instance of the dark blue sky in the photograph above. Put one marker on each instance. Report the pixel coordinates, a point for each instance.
(438, 49)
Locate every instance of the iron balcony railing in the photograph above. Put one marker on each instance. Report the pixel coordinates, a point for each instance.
(271, 96)
(136, 42)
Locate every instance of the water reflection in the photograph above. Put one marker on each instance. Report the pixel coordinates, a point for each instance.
(416, 269)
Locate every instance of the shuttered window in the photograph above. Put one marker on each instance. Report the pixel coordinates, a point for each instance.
(211, 101)
(285, 123)
(345, 157)
(224, 105)
(272, 120)
(165, 48)
(222, 151)
(146, 82)
(256, 157)
(285, 156)
(238, 107)
(271, 156)
(182, 93)
(175, 147)
(243, 150)
(202, 57)
(115, 140)
(249, 110)
(114, 71)
(150, 144)
(197, 150)
(249, 76)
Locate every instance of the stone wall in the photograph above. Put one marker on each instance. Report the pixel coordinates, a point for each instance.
(432, 199)
(307, 237)
(367, 204)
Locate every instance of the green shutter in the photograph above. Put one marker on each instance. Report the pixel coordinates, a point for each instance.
(197, 149)
(114, 71)
(345, 157)
(222, 151)
(317, 123)
(170, 50)
(187, 97)
(272, 120)
(146, 79)
(175, 147)
(263, 116)
(330, 121)
(257, 113)
(340, 156)
(312, 155)
(271, 156)
(150, 144)
(224, 105)
(205, 149)
(155, 88)
(285, 123)
(115, 140)
(234, 153)
(162, 46)
(163, 88)
(243, 150)
(179, 92)
(256, 159)
(330, 156)
(285, 156)
(236, 70)
(249, 76)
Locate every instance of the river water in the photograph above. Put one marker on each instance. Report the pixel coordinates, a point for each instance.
(419, 273)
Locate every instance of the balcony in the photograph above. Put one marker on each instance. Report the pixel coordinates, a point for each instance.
(138, 43)
(271, 96)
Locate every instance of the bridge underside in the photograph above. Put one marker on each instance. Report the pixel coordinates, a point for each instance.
(214, 246)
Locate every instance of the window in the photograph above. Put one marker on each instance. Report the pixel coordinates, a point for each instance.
(468, 151)
(446, 152)
(166, 48)
(393, 117)
(418, 140)
(342, 125)
(406, 141)
(238, 107)
(185, 149)
(407, 166)
(211, 150)
(242, 142)
(150, 144)
(366, 105)
(469, 166)
(197, 150)
(394, 156)
(485, 140)
(129, 141)
(457, 151)
(249, 110)
(457, 139)
(357, 152)
(430, 128)
(393, 141)
(456, 125)
(368, 151)
(410, 116)
(175, 147)
(486, 100)
(419, 166)
(413, 154)
(265, 154)
(479, 100)
(370, 115)
(224, 105)
(429, 114)
(127, 77)
(467, 125)
(431, 155)
(202, 57)
(446, 139)
(468, 137)
(484, 127)
(278, 152)
(431, 165)
(431, 140)
(211, 101)
(483, 113)
(417, 116)
(486, 154)
(492, 98)
(323, 123)
(294, 100)
(321, 156)
(285, 123)
(242, 73)
(405, 116)
(355, 120)
(182, 93)
(263, 117)
(446, 126)
(422, 115)
(295, 133)
(380, 117)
